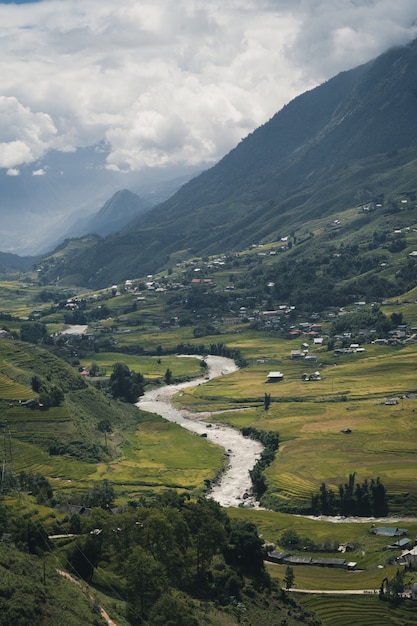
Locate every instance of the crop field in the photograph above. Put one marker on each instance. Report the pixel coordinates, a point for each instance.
(160, 455)
(12, 390)
(17, 298)
(319, 578)
(36, 426)
(310, 417)
(358, 611)
(151, 367)
(63, 471)
(150, 338)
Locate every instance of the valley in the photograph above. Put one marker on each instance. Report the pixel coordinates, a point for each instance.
(346, 403)
(289, 270)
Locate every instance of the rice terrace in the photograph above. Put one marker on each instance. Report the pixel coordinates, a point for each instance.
(345, 419)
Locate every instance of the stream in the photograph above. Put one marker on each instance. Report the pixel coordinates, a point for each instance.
(234, 485)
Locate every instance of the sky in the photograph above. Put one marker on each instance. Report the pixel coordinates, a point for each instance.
(168, 82)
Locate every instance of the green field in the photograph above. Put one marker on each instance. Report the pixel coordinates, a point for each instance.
(151, 367)
(140, 453)
(309, 416)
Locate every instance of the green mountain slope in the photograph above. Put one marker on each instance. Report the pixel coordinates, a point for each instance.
(45, 403)
(349, 141)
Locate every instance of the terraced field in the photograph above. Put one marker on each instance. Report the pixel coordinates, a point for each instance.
(360, 611)
(310, 417)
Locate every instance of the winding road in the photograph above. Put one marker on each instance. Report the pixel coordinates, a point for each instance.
(234, 486)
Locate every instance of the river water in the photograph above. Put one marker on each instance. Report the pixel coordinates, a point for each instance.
(234, 486)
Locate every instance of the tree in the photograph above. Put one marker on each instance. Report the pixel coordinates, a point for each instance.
(245, 548)
(84, 556)
(124, 384)
(104, 427)
(290, 539)
(94, 369)
(51, 397)
(101, 495)
(36, 384)
(289, 577)
(171, 609)
(267, 401)
(168, 376)
(395, 587)
(145, 581)
(33, 332)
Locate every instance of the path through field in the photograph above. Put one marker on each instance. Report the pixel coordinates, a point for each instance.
(234, 486)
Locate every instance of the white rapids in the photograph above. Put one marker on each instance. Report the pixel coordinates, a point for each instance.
(234, 486)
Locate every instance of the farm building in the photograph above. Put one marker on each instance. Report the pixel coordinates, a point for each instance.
(296, 559)
(400, 544)
(388, 531)
(275, 377)
(313, 376)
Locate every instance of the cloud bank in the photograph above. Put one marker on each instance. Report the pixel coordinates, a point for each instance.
(162, 82)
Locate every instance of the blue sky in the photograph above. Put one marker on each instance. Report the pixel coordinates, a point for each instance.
(174, 81)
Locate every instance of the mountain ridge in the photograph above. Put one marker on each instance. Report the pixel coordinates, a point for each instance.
(342, 143)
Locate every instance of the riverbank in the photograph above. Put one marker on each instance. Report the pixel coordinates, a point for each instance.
(234, 486)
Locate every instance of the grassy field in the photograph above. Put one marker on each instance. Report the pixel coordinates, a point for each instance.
(151, 367)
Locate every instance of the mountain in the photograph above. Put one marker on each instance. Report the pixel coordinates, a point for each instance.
(349, 141)
(14, 263)
(42, 201)
(122, 207)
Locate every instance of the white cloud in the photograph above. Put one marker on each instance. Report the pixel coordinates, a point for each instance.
(172, 81)
(40, 172)
(24, 136)
(13, 172)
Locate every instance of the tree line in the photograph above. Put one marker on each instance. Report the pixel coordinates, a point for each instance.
(353, 499)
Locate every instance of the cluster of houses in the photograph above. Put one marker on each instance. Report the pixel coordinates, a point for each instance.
(399, 542)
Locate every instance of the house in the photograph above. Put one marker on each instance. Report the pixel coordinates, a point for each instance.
(297, 559)
(408, 557)
(400, 544)
(313, 376)
(73, 509)
(275, 377)
(347, 547)
(388, 531)
(331, 562)
(391, 401)
(276, 557)
(294, 559)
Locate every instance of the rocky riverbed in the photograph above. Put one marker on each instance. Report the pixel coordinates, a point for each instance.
(234, 486)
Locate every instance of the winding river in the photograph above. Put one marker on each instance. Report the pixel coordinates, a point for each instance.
(234, 486)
